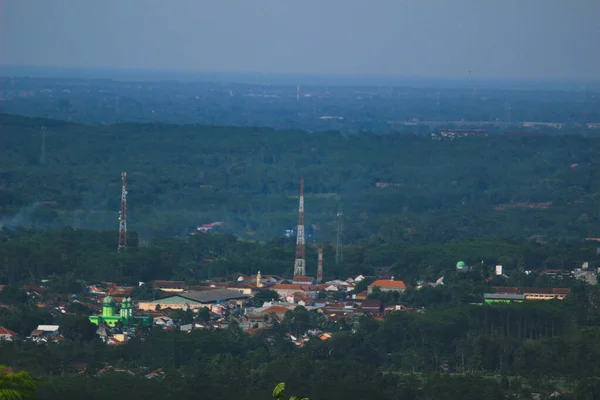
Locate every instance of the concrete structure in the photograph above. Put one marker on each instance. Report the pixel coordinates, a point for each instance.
(125, 318)
(194, 299)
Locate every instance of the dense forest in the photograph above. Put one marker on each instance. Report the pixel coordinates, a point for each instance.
(393, 187)
(412, 208)
(28, 255)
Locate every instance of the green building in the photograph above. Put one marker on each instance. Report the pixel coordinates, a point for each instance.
(492, 298)
(125, 318)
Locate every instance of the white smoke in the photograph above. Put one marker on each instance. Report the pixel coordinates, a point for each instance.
(21, 219)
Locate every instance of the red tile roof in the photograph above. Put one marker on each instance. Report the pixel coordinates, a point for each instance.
(276, 310)
(287, 286)
(506, 289)
(6, 331)
(301, 278)
(388, 284)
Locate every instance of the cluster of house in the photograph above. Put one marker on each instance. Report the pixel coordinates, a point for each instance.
(119, 317)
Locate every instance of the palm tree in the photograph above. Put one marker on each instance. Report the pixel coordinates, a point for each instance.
(16, 386)
(279, 393)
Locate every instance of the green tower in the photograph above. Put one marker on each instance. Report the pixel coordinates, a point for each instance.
(108, 307)
(124, 318)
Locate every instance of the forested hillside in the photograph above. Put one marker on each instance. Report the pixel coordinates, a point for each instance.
(182, 176)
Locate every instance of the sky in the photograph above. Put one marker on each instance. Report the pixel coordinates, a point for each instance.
(544, 39)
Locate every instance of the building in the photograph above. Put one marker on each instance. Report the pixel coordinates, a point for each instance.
(193, 299)
(7, 334)
(125, 318)
(388, 286)
(169, 286)
(517, 294)
(546, 293)
(303, 280)
(492, 298)
(372, 307)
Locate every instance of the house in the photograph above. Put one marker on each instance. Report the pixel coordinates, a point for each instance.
(45, 333)
(360, 296)
(303, 280)
(402, 308)
(284, 289)
(545, 293)
(506, 289)
(372, 306)
(194, 299)
(163, 321)
(169, 286)
(7, 334)
(299, 298)
(388, 286)
(278, 311)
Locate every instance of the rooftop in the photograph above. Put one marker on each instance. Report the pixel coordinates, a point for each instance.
(388, 284)
(209, 296)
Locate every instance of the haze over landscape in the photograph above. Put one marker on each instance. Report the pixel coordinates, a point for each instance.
(338, 200)
(537, 39)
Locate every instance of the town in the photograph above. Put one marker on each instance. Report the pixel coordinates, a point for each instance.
(256, 302)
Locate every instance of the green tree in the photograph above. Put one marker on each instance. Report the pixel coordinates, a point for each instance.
(203, 314)
(263, 296)
(77, 328)
(16, 386)
(279, 393)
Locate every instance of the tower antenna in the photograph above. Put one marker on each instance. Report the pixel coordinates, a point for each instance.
(123, 214)
(300, 263)
(339, 248)
(320, 265)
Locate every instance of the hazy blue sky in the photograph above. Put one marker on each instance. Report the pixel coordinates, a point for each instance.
(491, 38)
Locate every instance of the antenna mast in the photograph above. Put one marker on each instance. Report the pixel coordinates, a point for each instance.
(123, 214)
(300, 263)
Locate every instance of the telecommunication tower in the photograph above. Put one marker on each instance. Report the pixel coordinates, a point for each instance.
(320, 265)
(123, 214)
(300, 263)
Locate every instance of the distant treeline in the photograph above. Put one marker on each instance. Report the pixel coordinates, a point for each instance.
(392, 187)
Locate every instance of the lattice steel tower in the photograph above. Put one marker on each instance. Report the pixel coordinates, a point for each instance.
(123, 214)
(300, 263)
